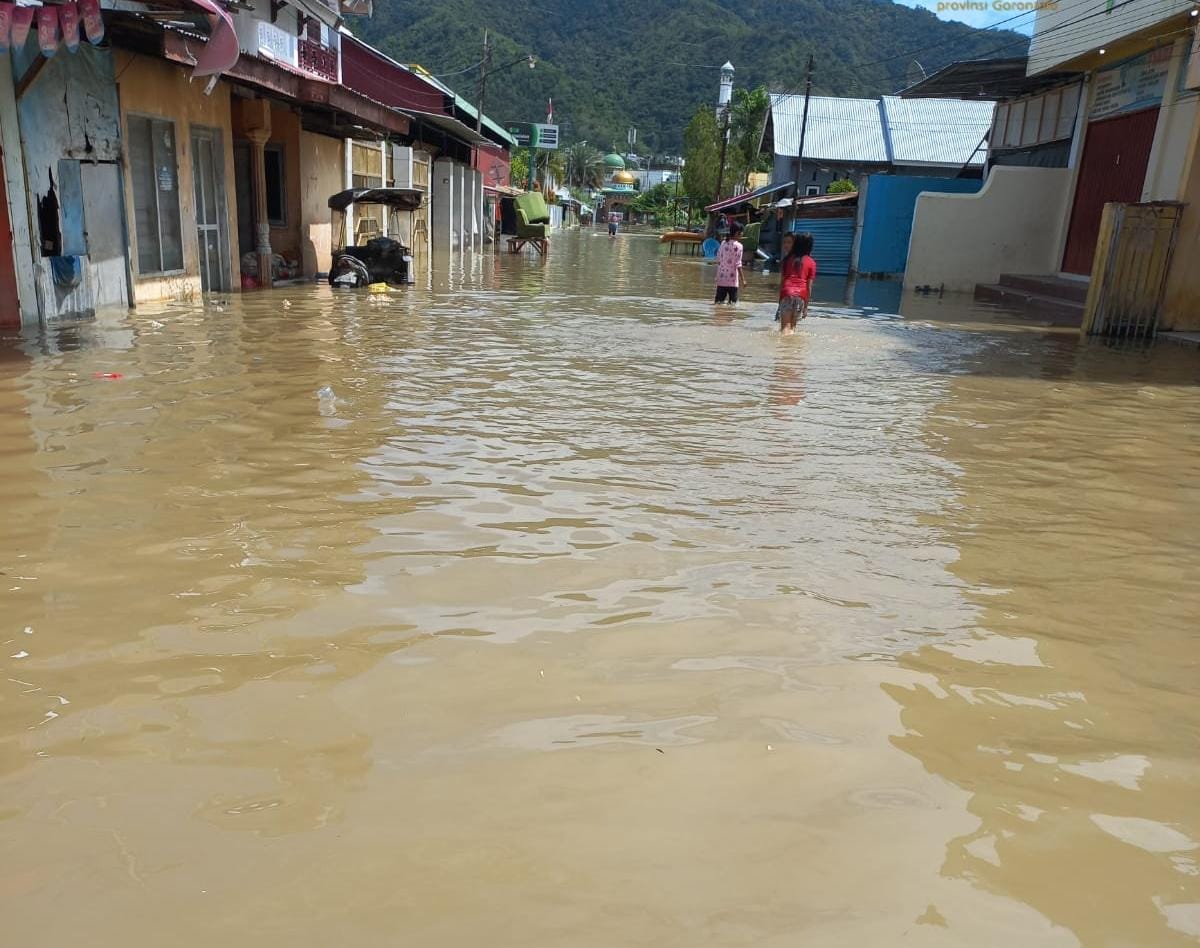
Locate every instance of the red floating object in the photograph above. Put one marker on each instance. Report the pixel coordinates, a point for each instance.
(109, 375)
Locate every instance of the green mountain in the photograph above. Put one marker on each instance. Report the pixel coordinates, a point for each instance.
(651, 63)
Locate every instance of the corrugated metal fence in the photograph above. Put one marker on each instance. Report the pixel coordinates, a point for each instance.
(833, 242)
(1129, 270)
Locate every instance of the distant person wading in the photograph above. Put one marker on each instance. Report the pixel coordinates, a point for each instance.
(729, 266)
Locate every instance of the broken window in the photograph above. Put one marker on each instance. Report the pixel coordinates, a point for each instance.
(154, 170)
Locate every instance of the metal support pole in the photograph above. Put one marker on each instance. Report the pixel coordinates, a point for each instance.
(800, 151)
(484, 65)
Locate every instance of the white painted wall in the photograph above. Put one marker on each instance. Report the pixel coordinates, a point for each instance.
(460, 205)
(477, 204)
(1172, 135)
(1064, 31)
(18, 211)
(468, 208)
(1012, 225)
(442, 205)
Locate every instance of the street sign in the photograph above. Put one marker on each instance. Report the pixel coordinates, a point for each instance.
(545, 136)
(537, 135)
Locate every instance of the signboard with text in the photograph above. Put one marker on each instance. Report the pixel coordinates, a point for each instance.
(1135, 84)
(545, 136)
(537, 135)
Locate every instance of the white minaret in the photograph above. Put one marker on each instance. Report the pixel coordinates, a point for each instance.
(726, 92)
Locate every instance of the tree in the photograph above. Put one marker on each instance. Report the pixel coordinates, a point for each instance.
(747, 120)
(584, 165)
(519, 168)
(660, 203)
(702, 156)
(844, 186)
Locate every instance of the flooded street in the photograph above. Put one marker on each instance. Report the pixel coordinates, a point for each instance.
(552, 606)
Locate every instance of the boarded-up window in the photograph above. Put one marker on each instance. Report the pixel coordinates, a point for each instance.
(154, 170)
(1051, 103)
(368, 172)
(1033, 118)
(999, 124)
(1016, 121)
(368, 166)
(1067, 112)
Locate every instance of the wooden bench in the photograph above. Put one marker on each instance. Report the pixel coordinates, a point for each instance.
(517, 244)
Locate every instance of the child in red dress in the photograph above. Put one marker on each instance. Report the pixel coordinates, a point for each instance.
(795, 283)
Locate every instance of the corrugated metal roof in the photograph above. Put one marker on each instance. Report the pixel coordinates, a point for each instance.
(936, 131)
(837, 130)
(889, 130)
(749, 196)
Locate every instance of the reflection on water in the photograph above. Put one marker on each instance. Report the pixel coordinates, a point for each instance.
(884, 632)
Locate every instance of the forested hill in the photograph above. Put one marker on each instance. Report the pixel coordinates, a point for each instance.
(650, 63)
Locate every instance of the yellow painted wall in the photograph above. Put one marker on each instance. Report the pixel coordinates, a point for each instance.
(156, 87)
(322, 176)
(285, 131)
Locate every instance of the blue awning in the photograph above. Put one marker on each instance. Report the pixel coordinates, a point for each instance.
(751, 196)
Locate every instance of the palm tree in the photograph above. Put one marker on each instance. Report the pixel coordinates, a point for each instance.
(584, 164)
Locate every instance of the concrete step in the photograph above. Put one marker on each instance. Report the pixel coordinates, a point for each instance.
(1047, 285)
(1051, 309)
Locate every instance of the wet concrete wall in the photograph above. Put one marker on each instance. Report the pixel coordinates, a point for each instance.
(322, 164)
(1012, 225)
(157, 88)
(1181, 304)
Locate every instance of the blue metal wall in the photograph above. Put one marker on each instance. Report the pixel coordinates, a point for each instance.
(891, 201)
(833, 242)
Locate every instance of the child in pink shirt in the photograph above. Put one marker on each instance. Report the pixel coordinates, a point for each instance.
(729, 266)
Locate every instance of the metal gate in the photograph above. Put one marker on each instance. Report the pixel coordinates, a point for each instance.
(207, 162)
(1132, 257)
(833, 242)
(1115, 156)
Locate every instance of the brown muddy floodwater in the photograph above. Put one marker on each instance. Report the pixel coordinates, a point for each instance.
(581, 614)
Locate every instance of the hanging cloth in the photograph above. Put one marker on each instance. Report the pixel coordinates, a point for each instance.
(47, 29)
(68, 21)
(22, 20)
(93, 23)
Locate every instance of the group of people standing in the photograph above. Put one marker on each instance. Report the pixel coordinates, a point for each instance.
(797, 271)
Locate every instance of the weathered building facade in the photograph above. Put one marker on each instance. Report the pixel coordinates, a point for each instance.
(199, 148)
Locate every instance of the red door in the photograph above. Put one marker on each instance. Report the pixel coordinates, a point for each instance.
(1115, 156)
(10, 310)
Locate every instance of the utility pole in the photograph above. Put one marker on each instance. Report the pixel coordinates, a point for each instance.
(800, 151)
(484, 65)
(724, 101)
(724, 146)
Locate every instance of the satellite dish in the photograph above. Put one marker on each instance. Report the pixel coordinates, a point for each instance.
(916, 72)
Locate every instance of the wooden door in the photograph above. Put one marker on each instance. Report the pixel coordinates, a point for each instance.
(1113, 168)
(106, 269)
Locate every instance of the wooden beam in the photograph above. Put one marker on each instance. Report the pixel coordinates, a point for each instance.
(30, 77)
